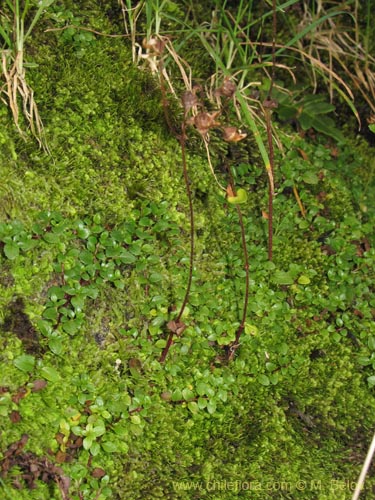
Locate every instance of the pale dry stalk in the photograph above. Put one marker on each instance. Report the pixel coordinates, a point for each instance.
(16, 86)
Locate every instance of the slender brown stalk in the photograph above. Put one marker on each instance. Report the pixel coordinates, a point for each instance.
(236, 343)
(268, 104)
(175, 326)
(270, 188)
(167, 347)
(191, 215)
(300, 204)
(274, 28)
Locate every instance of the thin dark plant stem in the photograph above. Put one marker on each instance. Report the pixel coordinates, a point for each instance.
(274, 28)
(165, 103)
(235, 345)
(172, 332)
(269, 134)
(181, 137)
(247, 276)
(270, 190)
(164, 354)
(191, 216)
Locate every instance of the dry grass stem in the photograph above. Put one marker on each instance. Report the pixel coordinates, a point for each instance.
(16, 86)
(205, 140)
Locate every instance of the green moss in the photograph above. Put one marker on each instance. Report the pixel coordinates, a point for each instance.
(106, 151)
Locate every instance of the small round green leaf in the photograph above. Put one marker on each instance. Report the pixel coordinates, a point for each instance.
(50, 313)
(251, 329)
(202, 403)
(201, 388)
(187, 394)
(127, 257)
(310, 177)
(45, 327)
(72, 326)
(56, 345)
(193, 407)
(304, 280)
(211, 407)
(264, 380)
(25, 362)
(177, 395)
(135, 419)
(95, 449)
(109, 447)
(240, 198)
(11, 250)
(282, 278)
(50, 374)
(156, 277)
(87, 442)
(145, 221)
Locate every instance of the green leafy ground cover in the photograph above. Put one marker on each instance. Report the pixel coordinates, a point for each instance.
(94, 257)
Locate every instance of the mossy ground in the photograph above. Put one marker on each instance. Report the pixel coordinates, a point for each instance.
(102, 232)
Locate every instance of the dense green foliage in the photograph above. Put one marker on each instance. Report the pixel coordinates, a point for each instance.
(94, 242)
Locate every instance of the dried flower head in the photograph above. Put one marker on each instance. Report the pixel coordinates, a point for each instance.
(154, 45)
(204, 121)
(270, 103)
(232, 134)
(227, 89)
(189, 100)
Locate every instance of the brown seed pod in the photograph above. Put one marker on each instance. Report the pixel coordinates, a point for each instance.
(228, 88)
(189, 100)
(232, 134)
(204, 121)
(154, 45)
(270, 103)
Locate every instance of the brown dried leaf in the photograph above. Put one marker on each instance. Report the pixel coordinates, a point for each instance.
(171, 325)
(38, 385)
(16, 398)
(98, 473)
(16, 448)
(176, 327)
(76, 441)
(230, 191)
(303, 154)
(135, 363)
(15, 417)
(64, 485)
(166, 395)
(61, 457)
(180, 328)
(60, 437)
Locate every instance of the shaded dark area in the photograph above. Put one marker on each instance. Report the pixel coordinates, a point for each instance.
(32, 468)
(18, 322)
